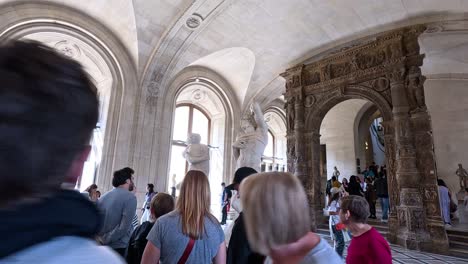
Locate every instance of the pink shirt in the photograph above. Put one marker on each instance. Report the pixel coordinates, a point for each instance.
(369, 247)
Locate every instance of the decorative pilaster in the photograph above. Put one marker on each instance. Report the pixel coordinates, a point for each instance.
(393, 188)
(313, 178)
(411, 229)
(421, 123)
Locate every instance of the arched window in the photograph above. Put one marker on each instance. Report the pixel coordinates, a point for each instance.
(269, 155)
(269, 152)
(274, 156)
(188, 119)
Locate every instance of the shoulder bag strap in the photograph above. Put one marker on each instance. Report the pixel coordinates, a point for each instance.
(187, 251)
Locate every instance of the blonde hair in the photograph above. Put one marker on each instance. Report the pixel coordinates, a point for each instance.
(193, 203)
(276, 210)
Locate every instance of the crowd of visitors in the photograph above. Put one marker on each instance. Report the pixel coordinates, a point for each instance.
(372, 185)
(49, 108)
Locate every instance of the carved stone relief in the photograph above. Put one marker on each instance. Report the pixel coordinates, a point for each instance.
(68, 49)
(386, 72)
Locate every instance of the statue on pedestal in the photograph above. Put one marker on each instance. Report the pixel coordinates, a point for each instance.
(197, 155)
(252, 140)
(336, 173)
(463, 175)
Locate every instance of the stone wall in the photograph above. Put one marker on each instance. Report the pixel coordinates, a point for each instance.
(447, 102)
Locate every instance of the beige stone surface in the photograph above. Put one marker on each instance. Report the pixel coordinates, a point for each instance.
(338, 134)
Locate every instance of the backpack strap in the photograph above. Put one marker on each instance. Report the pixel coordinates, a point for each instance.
(187, 251)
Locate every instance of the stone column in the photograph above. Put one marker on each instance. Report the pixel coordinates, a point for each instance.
(393, 189)
(422, 129)
(305, 146)
(313, 180)
(411, 231)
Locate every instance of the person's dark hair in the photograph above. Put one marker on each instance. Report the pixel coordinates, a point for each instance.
(335, 197)
(151, 187)
(357, 207)
(98, 193)
(243, 173)
(353, 179)
(161, 204)
(91, 187)
(128, 170)
(333, 178)
(223, 184)
(466, 189)
(48, 110)
(441, 182)
(120, 177)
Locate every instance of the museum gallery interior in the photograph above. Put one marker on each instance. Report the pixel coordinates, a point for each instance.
(319, 85)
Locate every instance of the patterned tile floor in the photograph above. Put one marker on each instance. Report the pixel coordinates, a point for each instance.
(401, 255)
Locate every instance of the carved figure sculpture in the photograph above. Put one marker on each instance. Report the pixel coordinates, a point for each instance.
(251, 142)
(291, 115)
(196, 154)
(463, 175)
(416, 88)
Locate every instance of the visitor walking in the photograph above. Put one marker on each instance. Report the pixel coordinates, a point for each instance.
(371, 197)
(150, 193)
(367, 244)
(345, 184)
(91, 192)
(464, 210)
(278, 226)
(334, 221)
(239, 251)
(354, 188)
(381, 190)
(444, 200)
(190, 234)
(335, 182)
(118, 208)
(226, 204)
(161, 204)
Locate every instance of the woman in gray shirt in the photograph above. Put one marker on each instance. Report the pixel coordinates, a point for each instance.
(171, 234)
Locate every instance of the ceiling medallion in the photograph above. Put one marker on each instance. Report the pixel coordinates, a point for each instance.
(198, 95)
(193, 22)
(68, 49)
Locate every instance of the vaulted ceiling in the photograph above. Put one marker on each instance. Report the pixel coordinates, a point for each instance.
(165, 36)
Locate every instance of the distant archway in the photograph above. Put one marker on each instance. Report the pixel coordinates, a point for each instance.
(386, 72)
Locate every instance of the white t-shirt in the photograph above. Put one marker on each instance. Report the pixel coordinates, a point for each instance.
(334, 207)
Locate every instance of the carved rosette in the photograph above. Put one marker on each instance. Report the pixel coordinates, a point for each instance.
(68, 49)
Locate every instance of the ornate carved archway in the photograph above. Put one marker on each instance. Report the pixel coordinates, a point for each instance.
(385, 71)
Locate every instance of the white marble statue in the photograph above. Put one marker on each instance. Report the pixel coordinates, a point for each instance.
(252, 140)
(197, 155)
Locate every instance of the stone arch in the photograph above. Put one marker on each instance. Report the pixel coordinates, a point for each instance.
(315, 117)
(385, 71)
(219, 86)
(22, 19)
